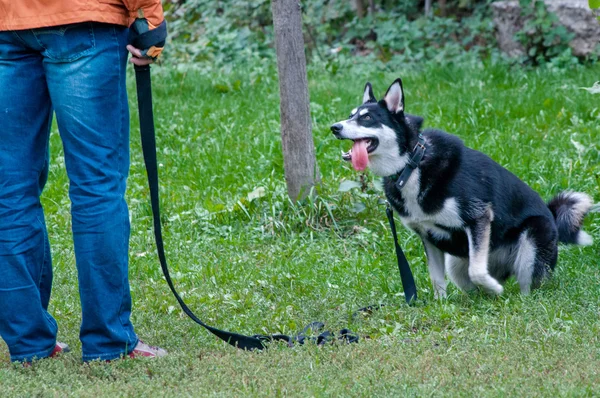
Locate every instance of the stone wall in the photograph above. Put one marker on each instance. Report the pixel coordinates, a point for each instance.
(575, 15)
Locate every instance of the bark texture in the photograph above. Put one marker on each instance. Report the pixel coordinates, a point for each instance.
(301, 170)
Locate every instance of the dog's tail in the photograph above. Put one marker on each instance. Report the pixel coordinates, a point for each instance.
(569, 209)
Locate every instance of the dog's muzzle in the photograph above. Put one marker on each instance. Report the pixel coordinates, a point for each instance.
(336, 129)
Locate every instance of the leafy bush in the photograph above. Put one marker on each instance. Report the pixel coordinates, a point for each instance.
(543, 38)
(392, 34)
(227, 33)
(213, 31)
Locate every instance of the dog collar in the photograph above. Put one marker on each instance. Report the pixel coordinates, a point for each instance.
(413, 162)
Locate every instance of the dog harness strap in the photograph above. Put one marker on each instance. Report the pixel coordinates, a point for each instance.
(413, 162)
(256, 342)
(408, 282)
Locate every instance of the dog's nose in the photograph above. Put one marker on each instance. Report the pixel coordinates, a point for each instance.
(336, 129)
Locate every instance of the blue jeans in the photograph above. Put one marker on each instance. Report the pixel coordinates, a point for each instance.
(77, 72)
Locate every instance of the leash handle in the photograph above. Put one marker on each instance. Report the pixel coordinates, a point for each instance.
(408, 282)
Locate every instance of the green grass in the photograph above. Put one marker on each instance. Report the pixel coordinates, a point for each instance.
(268, 265)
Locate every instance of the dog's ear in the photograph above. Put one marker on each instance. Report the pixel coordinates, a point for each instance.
(368, 96)
(394, 97)
(414, 120)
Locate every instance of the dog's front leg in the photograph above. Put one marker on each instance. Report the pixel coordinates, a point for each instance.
(435, 263)
(479, 247)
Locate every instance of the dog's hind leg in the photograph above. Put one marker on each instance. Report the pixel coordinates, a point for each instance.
(536, 253)
(479, 247)
(458, 272)
(435, 263)
(524, 262)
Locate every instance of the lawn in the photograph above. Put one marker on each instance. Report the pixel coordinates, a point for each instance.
(247, 259)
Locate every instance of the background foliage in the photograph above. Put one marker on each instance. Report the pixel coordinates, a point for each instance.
(393, 32)
(542, 37)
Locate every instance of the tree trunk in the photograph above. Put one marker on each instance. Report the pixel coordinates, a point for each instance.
(300, 165)
(360, 8)
(442, 4)
(427, 8)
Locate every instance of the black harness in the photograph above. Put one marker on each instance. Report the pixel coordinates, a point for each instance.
(257, 341)
(413, 162)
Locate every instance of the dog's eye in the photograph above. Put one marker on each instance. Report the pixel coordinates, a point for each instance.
(366, 117)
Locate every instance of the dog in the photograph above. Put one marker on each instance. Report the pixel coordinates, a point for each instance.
(479, 223)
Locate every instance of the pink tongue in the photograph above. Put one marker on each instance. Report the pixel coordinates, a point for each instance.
(360, 157)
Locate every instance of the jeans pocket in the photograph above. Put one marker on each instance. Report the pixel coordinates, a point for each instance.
(66, 43)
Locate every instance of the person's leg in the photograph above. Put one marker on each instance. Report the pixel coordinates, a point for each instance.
(47, 275)
(25, 264)
(85, 68)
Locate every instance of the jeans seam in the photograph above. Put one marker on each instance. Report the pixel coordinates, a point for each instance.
(46, 167)
(42, 266)
(121, 72)
(19, 38)
(120, 160)
(38, 40)
(18, 288)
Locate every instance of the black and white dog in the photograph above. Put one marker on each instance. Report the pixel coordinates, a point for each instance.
(479, 223)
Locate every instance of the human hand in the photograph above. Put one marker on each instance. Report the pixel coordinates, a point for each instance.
(146, 41)
(137, 58)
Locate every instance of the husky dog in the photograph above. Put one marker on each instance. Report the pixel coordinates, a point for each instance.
(479, 223)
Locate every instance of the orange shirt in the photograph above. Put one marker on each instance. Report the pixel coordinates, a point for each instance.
(29, 14)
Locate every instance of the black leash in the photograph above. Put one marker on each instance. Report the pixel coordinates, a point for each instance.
(144, 93)
(408, 282)
(257, 341)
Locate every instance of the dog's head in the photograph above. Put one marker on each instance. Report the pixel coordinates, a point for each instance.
(380, 130)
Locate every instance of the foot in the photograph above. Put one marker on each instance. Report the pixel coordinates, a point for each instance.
(144, 350)
(59, 348)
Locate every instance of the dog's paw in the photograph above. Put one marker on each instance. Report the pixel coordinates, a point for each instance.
(487, 283)
(439, 293)
(494, 288)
